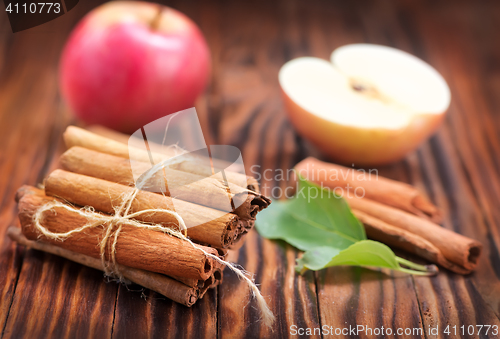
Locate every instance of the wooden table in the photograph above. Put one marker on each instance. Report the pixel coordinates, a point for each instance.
(46, 296)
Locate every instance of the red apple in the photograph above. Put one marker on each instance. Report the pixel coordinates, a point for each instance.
(128, 63)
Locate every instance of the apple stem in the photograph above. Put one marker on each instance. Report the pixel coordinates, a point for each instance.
(156, 20)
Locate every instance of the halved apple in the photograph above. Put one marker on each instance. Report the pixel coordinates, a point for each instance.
(371, 105)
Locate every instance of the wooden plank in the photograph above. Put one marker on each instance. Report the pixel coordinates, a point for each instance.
(245, 101)
(448, 302)
(350, 296)
(75, 300)
(24, 158)
(449, 188)
(463, 159)
(56, 298)
(146, 314)
(374, 300)
(292, 298)
(450, 299)
(47, 296)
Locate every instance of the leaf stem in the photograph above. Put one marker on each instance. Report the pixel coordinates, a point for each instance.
(416, 269)
(410, 264)
(413, 272)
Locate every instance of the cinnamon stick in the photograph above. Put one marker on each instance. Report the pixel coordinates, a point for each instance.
(159, 283)
(374, 187)
(191, 282)
(206, 191)
(74, 136)
(139, 143)
(209, 283)
(420, 236)
(202, 284)
(220, 230)
(138, 248)
(218, 277)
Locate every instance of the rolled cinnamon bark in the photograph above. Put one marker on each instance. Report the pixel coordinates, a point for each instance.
(159, 283)
(220, 230)
(238, 244)
(138, 248)
(139, 143)
(202, 284)
(209, 283)
(417, 235)
(206, 191)
(190, 282)
(74, 136)
(375, 187)
(218, 277)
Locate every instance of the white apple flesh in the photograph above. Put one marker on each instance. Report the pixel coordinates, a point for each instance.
(128, 63)
(371, 105)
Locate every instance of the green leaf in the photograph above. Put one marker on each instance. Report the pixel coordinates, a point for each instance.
(310, 220)
(321, 223)
(362, 253)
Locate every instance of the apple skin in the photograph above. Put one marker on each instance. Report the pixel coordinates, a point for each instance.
(118, 71)
(361, 146)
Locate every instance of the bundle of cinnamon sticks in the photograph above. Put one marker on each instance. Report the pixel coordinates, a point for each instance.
(78, 207)
(396, 214)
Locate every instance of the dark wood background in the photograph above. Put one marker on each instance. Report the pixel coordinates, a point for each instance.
(44, 296)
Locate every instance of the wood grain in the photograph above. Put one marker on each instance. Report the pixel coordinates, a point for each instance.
(145, 314)
(56, 298)
(443, 175)
(292, 298)
(42, 295)
(23, 158)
